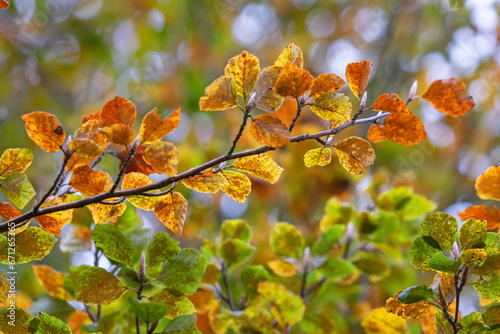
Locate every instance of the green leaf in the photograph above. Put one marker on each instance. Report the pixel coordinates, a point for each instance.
(440, 262)
(491, 265)
(492, 316)
(114, 244)
(235, 251)
(162, 248)
(183, 272)
(417, 206)
(488, 289)
(415, 294)
(372, 264)
(318, 157)
(366, 223)
(335, 213)
(420, 254)
(472, 234)
(287, 308)
(476, 255)
(31, 244)
(442, 325)
(236, 229)
(395, 199)
(327, 240)
(146, 311)
(286, 240)
(46, 324)
(441, 227)
(492, 240)
(387, 223)
(185, 324)
(18, 318)
(472, 323)
(18, 189)
(94, 285)
(251, 276)
(176, 305)
(317, 323)
(337, 268)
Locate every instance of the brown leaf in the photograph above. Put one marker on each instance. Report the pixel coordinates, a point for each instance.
(90, 182)
(244, 68)
(376, 134)
(52, 222)
(94, 116)
(481, 212)
(259, 165)
(118, 111)
(406, 311)
(136, 180)
(119, 134)
(162, 157)
(291, 53)
(45, 130)
(446, 97)
(171, 210)
(389, 103)
(220, 95)
(154, 129)
(76, 161)
(326, 83)
(269, 131)
(358, 75)
(355, 154)
(404, 128)
(488, 184)
(293, 81)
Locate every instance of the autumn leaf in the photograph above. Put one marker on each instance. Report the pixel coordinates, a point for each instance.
(332, 105)
(86, 148)
(4, 4)
(318, 157)
(293, 81)
(136, 163)
(287, 308)
(358, 75)
(90, 182)
(171, 210)
(8, 211)
(291, 53)
(52, 222)
(245, 70)
(326, 83)
(380, 321)
(282, 268)
(118, 111)
(376, 134)
(355, 154)
(389, 103)
(119, 134)
(261, 166)
(177, 305)
(269, 131)
(32, 244)
(220, 95)
(45, 130)
(266, 97)
(446, 97)
(52, 281)
(488, 184)
(162, 157)
(208, 182)
(102, 213)
(18, 189)
(406, 311)
(14, 161)
(404, 128)
(481, 212)
(76, 320)
(136, 180)
(202, 299)
(238, 185)
(154, 129)
(76, 161)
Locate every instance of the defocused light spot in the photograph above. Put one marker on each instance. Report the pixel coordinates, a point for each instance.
(125, 38)
(342, 52)
(437, 67)
(317, 56)
(65, 51)
(201, 200)
(26, 9)
(253, 25)
(485, 17)
(181, 132)
(203, 128)
(158, 66)
(230, 208)
(473, 164)
(371, 24)
(156, 19)
(86, 9)
(320, 23)
(303, 4)
(440, 134)
(480, 90)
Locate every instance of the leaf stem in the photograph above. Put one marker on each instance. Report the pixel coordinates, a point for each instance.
(246, 115)
(225, 280)
(297, 114)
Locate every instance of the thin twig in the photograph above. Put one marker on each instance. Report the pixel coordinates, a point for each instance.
(225, 280)
(356, 115)
(297, 114)
(121, 200)
(315, 286)
(246, 115)
(122, 169)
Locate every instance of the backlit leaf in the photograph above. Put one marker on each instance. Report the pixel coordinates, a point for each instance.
(45, 130)
(355, 154)
(282, 268)
(94, 285)
(238, 185)
(326, 83)
(118, 111)
(292, 54)
(47, 324)
(14, 161)
(488, 289)
(472, 234)
(86, 148)
(153, 128)
(358, 75)
(472, 323)
(176, 305)
(441, 227)
(376, 134)
(102, 213)
(406, 311)
(162, 248)
(235, 251)
(332, 105)
(446, 97)
(31, 244)
(491, 265)
(259, 165)
(114, 244)
(119, 134)
(183, 272)
(286, 240)
(208, 182)
(476, 255)
(212, 274)
(266, 97)
(389, 103)
(52, 222)
(420, 254)
(18, 189)
(269, 131)
(136, 180)
(236, 229)
(77, 319)
(245, 70)
(22, 320)
(89, 182)
(8, 211)
(488, 184)
(171, 210)
(52, 281)
(220, 95)
(481, 212)
(92, 130)
(293, 81)
(381, 321)
(162, 157)
(403, 128)
(287, 308)
(76, 161)
(318, 157)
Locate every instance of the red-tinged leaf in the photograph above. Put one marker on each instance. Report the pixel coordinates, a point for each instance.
(293, 81)
(171, 210)
(481, 212)
(8, 211)
(45, 130)
(389, 103)
(154, 129)
(376, 134)
(136, 180)
(52, 222)
(137, 163)
(446, 97)
(162, 157)
(15, 160)
(269, 131)
(4, 4)
(94, 116)
(90, 182)
(326, 83)
(118, 111)
(358, 75)
(76, 161)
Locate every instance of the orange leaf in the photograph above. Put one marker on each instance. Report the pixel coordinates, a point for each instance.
(292, 54)
(244, 68)
(90, 182)
(118, 111)
(207, 183)
(389, 103)
(136, 180)
(488, 184)
(136, 163)
(326, 83)
(76, 161)
(406, 311)
(92, 130)
(269, 131)
(77, 320)
(52, 222)
(15, 160)
(171, 210)
(119, 134)
(4, 4)
(86, 148)
(481, 212)
(52, 281)
(376, 134)
(404, 128)
(154, 129)
(446, 97)
(358, 75)
(8, 211)
(94, 116)
(355, 154)
(45, 130)
(162, 157)
(266, 97)
(293, 81)
(220, 95)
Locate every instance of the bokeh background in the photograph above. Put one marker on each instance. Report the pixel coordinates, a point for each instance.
(70, 57)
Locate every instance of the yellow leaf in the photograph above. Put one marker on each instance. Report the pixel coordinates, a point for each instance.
(282, 268)
(238, 185)
(379, 321)
(162, 156)
(90, 182)
(332, 105)
(269, 131)
(102, 213)
(118, 111)
(86, 148)
(389, 103)
(406, 311)
(171, 210)
(212, 274)
(293, 54)
(136, 180)
(15, 160)
(326, 83)
(318, 157)
(266, 97)
(245, 70)
(52, 281)
(220, 95)
(355, 154)
(260, 165)
(18, 189)
(119, 134)
(446, 97)
(45, 130)
(488, 184)
(293, 81)
(404, 128)
(207, 183)
(358, 75)
(154, 129)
